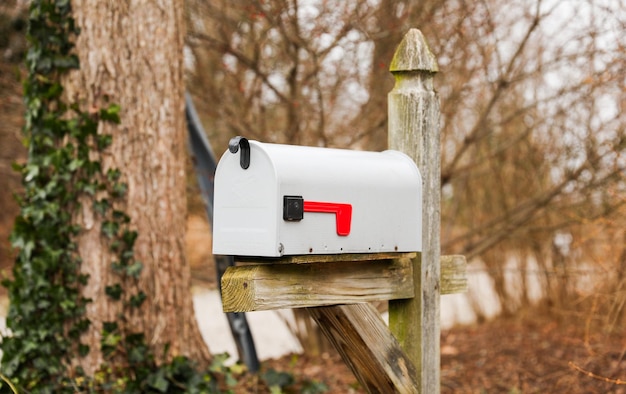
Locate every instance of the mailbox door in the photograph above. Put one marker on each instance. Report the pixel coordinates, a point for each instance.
(245, 210)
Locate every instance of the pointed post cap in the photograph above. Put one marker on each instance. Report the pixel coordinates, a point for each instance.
(413, 54)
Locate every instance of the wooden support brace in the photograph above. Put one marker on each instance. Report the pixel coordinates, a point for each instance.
(367, 347)
(276, 286)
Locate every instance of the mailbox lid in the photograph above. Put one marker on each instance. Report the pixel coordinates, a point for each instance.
(383, 189)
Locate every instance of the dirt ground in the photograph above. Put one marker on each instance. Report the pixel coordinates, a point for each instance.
(528, 354)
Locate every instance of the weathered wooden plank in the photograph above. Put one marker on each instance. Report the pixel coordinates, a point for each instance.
(414, 129)
(276, 286)
(367, 347)
(324, 258)
(453, 274)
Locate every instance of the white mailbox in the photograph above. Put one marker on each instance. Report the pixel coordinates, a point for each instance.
(273, 200)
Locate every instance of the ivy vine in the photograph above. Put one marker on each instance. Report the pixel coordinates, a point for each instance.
(46, 316)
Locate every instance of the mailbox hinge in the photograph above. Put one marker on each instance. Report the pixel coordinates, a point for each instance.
(240, 142)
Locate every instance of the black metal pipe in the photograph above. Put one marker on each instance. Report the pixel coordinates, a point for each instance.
(204, 164)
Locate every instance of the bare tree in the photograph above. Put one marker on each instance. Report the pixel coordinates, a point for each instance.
(532, 107)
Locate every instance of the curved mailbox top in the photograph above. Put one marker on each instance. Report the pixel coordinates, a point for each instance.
(273, 200)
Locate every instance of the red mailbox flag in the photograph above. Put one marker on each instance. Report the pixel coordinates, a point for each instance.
(343, 213)
(295, 206)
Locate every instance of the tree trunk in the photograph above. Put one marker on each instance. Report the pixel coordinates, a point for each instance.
(131, 54)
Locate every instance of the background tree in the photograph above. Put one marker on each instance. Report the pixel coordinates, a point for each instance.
(131, 54)
(100, 295)
(532, 109)
(12, 50)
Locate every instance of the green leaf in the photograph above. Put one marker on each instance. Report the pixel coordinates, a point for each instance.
(314, 387)
(109, 326)
(104, 141)
(126, 256)
(17, 167)
(113, 174)
(111, 340)
(75, 164)
(119, 190)
(101, 206)
(110, 228)
(83, 350)
(134, 270)
(276, 390)
(66, 62)
(83, 279)
(138, 354)
(67, 304)
(117, 267)
(111, 114)
(274, 378)
(129, 237)
(158, 382)
(121, 216)
(31, 172)
(115, 291)
(90, 188)
(138, 299)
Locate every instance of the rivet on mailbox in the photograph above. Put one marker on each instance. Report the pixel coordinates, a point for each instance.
(331, 201)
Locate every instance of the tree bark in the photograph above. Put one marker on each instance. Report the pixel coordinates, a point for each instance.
(131, 54)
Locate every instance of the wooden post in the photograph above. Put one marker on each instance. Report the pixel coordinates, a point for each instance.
(414, 130)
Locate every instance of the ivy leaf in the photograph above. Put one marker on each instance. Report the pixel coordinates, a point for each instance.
(109, 327)
(158, 382)
(275, 379)
(115, 245)
(121, 216)
(117, 267)
(127, 255)
(111, 114)
(54, 91)
(66, 62)
(115, 291)
(119, 190)
(82, 325)
(101, 206)
(110, 228)
(31, 172)
(67, 304)
(83, 279)
(138, 299)
(83, 350)
(17, 167)
(75, 164)
(135, 269)
(129, 237)
(104, 141)
(113, 174)
(109, 343)
(27, 250)
(90, 188)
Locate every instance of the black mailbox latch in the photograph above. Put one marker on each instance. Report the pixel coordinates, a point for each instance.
(293, 208)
